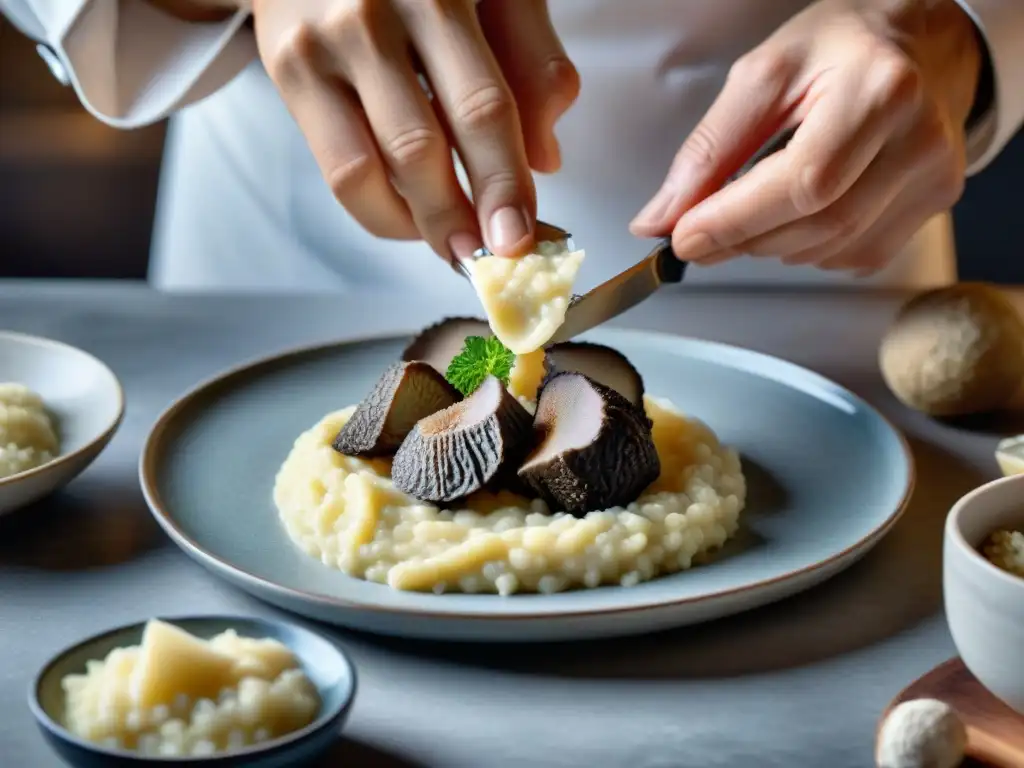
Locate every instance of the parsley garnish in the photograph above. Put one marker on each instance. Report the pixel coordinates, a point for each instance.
(479, 359)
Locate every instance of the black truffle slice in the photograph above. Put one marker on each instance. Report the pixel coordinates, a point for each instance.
(596, 450)
(468, 446)
(440, 343)
(599, 363)
(403, 395)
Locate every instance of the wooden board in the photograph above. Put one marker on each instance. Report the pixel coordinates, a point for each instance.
(995, 733)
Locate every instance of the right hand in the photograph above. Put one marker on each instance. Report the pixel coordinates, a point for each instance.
(347, 71)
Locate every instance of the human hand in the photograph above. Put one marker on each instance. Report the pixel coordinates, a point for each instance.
(880, 91)
(348, 72)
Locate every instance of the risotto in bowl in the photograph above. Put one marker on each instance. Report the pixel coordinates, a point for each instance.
(470, 469)
(59, 409)
(195, 691)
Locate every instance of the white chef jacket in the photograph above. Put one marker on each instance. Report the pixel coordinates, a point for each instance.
(242, 204)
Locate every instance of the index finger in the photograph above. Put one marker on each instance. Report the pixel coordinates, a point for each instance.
(481, 111)
(751, 107)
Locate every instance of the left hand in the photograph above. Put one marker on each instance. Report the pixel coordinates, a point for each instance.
(880, 90)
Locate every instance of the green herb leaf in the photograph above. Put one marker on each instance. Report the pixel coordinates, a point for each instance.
(479, 359)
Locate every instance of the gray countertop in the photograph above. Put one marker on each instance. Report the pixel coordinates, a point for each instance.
(800, 683)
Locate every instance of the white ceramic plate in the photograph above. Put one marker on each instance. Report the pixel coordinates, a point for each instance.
(79, 391)
(827, 476)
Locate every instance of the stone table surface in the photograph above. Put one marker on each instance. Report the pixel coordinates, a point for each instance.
(799, 683)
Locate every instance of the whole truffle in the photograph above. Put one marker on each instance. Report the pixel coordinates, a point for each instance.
(955, 351)
(924, 733)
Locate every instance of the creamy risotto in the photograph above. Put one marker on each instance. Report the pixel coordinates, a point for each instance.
(345, 512)
(526, 299)
(28, 438)
(177, 694)
(1005, 550)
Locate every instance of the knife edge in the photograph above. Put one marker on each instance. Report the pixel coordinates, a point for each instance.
(622, 292)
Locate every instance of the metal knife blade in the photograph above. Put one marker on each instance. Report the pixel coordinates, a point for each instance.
(622, 292)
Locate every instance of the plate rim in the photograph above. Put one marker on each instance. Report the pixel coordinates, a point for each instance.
(149, 456)
(99, 440)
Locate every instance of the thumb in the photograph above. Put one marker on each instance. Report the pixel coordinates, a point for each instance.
(749, 110)
(545, 83)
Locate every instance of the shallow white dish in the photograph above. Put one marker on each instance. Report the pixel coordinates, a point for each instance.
(82, 395)
(827, 475)
(984, 604)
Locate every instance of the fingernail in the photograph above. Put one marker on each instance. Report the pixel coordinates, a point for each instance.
(507, 228)
(461, 246)
(695, 246)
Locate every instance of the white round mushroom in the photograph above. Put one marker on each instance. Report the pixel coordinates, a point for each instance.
(955, 351)
(924, 733)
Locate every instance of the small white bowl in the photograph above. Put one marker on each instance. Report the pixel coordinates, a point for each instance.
(984, 604)
(327, 666)
(83, 396)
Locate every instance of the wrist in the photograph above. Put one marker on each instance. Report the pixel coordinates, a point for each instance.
(967, 46)
(984, 84)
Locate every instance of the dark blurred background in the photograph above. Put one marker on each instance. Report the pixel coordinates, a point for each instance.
(77, 198)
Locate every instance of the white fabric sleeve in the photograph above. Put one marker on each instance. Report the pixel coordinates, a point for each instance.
(1001, 24)
(130, 63)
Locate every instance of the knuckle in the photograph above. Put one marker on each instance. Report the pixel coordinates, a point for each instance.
(500, 187)
(503, 183)
(817, 187)
(353, 24)
(762, 66)
(700, 152)
(349, 177)
(483, 107)
(412, 147)
(840, 221)
(294, 54)
(562, 77)
(895, 81)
